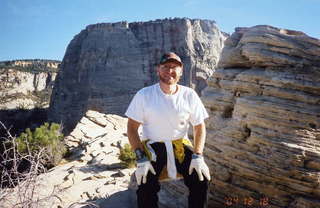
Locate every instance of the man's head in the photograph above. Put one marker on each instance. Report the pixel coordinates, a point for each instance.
(170, 68)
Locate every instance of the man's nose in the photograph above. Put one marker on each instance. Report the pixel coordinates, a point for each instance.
(171, 70)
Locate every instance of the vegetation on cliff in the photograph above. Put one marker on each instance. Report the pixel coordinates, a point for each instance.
(48, 138)
(31, 65)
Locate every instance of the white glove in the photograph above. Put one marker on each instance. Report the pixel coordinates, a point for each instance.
(142, 171)
(200, 166)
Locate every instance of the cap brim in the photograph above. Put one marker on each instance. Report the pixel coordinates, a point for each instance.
(171, 60)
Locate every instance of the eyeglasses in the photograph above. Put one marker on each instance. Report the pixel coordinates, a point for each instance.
(168, 67)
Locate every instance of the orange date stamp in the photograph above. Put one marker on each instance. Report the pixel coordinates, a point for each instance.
(233, 201)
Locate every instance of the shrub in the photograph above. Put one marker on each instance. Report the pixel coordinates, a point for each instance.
(127, 156)
(19, 184)
(47, 137)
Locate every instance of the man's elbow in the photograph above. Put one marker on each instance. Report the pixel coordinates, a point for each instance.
(132, 126)
(200, 126)
(200, 129)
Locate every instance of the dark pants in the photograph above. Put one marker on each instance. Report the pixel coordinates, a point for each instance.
(147, 193)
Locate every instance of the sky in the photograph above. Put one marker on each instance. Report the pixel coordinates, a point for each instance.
(42, 29)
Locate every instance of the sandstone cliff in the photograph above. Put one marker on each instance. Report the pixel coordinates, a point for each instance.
(263, 143)
(105, 64)
(26, 83)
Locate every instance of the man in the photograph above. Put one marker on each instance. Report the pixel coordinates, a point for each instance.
(164, 110)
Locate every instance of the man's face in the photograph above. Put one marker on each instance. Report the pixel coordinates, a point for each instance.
(169, 73)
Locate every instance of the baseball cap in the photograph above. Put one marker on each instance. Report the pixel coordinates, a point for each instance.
(167, 57)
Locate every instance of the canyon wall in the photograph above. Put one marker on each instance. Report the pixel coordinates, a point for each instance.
(26, 83)
(25, 90)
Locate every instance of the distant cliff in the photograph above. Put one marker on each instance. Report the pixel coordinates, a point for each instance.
(25, 90)
(26, 83)
(106, 64)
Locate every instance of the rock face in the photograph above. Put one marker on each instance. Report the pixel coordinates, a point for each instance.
(106, 64)
(26, 83)
(263, 142)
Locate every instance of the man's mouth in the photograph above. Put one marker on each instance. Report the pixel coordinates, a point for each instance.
(170, 77)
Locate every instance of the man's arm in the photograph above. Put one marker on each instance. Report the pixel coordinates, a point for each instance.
(133, 135)
(143, 164)
(199, 137)
(197, 162)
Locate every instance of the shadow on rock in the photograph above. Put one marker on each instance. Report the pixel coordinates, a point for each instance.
(17, 120)
(97, 168)
(121, 199)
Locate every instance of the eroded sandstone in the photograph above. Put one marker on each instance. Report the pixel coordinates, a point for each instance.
(263, 142)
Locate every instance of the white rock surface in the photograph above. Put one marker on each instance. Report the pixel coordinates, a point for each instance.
(93, 173)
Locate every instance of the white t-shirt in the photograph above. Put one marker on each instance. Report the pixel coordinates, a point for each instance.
(166, 117)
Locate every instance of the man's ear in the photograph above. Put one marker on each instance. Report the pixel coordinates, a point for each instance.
(157, 69)
(181, 72)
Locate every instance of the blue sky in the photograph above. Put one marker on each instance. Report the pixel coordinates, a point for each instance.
(43, 28)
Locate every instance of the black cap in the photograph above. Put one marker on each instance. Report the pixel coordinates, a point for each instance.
(170, 57)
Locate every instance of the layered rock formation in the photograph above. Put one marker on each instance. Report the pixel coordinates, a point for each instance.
(26, 84)
(106, 64)
(263, 143)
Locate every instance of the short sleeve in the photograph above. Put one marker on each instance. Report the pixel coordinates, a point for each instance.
(198, 112)
(135, 109)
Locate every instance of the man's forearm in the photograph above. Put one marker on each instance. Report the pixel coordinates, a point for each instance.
(133, 135)
(134, 140)
(199, 137)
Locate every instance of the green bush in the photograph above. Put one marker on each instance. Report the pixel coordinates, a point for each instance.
(47, 137)
(127, 156)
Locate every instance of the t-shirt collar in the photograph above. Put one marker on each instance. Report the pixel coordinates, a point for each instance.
(168, 95)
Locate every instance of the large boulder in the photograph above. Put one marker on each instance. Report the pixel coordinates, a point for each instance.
(106, 64)
(263, 143)
(267, 46)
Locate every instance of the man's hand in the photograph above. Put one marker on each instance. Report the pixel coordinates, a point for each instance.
(143, 167)
(200, 166)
